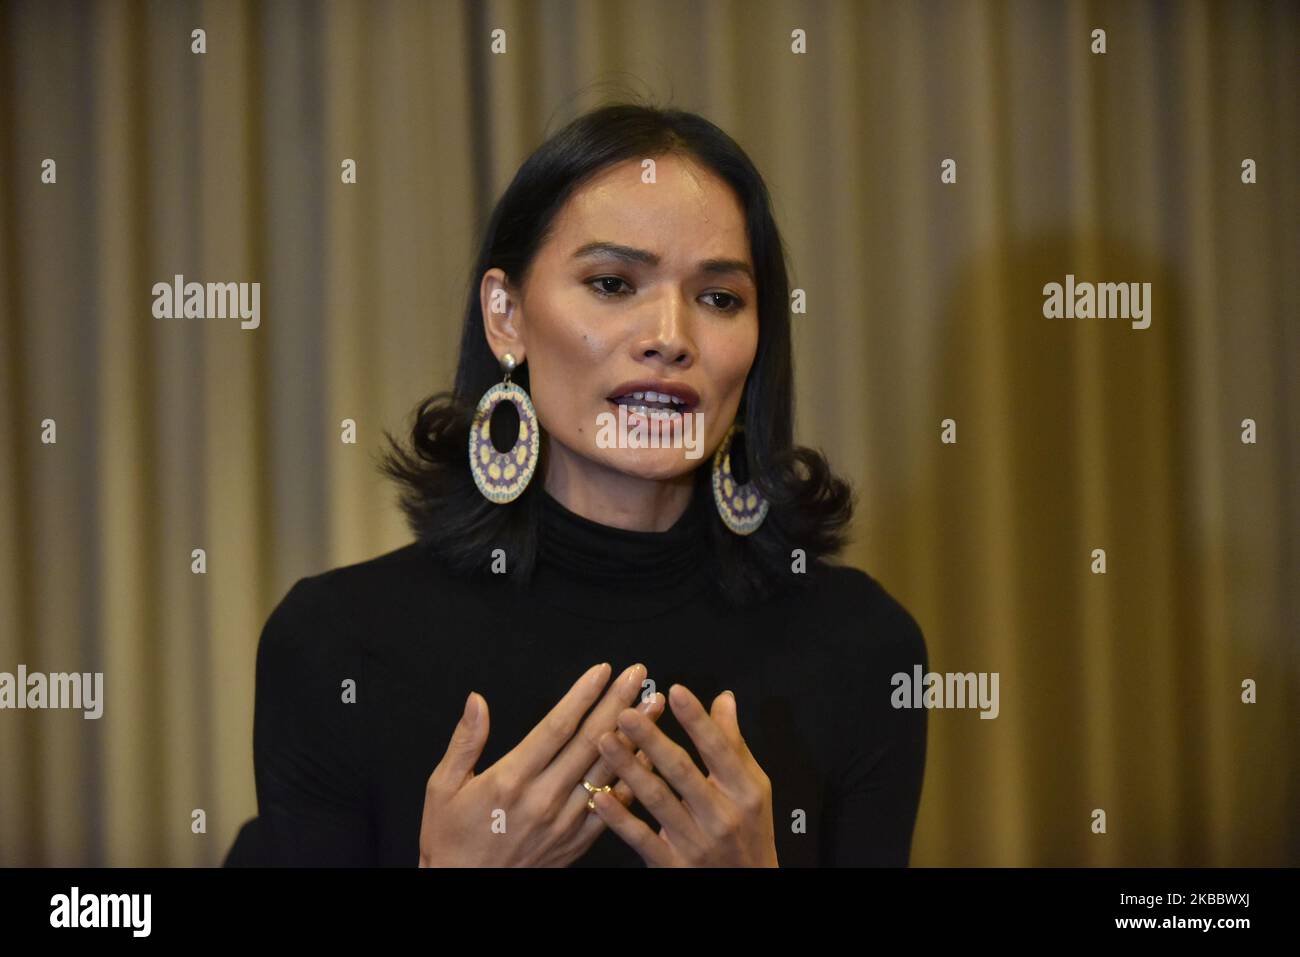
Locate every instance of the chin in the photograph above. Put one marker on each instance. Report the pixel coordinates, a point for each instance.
(653, 464)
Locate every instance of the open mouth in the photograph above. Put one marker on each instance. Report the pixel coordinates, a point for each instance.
(652, 405)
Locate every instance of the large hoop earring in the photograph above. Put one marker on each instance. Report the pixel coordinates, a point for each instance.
(503, 476)
(742, 507)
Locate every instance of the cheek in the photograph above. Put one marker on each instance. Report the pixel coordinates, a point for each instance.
(735, 358)
(574, 343)
(568, 359)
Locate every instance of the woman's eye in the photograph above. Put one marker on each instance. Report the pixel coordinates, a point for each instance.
(599, 288)
(732, 304)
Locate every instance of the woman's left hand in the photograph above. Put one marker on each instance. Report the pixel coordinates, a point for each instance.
(724, 820)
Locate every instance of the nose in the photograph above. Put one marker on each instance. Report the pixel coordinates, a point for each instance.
(670, 340)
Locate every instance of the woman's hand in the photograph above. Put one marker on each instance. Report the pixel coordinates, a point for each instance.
(529, 809)
(724, 820)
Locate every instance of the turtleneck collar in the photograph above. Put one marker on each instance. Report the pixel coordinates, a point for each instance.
(599, 571)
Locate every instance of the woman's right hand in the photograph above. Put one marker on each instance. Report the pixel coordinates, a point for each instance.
(529, 809)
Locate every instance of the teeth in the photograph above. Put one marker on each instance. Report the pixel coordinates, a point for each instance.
(654, 413)
(660, 397)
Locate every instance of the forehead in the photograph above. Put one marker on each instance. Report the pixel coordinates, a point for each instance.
(687, 212)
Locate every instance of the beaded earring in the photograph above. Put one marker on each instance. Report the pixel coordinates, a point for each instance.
(503, 476)
(742, 507)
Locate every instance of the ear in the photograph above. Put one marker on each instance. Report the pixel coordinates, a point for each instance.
(502, 315)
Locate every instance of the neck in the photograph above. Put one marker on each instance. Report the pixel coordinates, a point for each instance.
(602, 571)
(616, 499)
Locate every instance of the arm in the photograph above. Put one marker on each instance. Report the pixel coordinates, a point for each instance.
(307, 741)
(873, 799)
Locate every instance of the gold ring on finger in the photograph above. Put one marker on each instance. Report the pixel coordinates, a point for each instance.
(592, 789)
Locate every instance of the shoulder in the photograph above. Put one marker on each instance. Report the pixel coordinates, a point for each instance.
(373, 580)
(321, 615)
(860, 621)
(384, 574)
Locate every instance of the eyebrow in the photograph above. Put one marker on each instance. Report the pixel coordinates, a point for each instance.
(631, 255)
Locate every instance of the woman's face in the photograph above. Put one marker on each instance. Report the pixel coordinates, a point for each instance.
(638, 283)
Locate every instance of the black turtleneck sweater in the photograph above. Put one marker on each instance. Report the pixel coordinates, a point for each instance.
(343, 783)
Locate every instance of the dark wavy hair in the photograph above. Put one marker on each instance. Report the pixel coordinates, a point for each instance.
(810, 507)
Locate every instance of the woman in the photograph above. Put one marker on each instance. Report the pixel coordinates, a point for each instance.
(631, 284)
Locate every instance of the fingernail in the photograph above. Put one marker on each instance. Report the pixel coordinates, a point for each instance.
(470, 717)
(733, 697)
(602, 673)
(633, 676)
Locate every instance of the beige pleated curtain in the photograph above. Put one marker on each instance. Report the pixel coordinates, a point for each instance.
(1119, 691)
